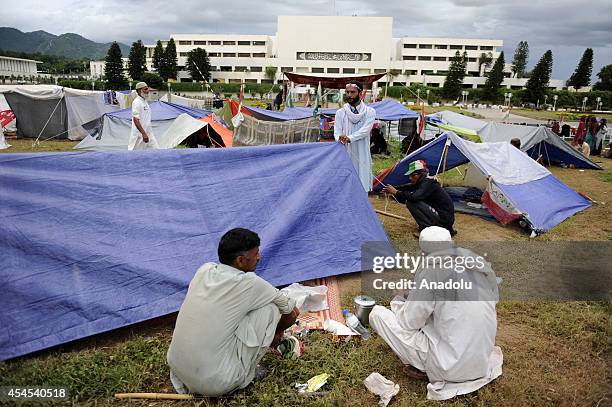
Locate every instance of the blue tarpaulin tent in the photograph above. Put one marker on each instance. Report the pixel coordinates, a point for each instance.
(528, 188)
(387, 110)
(91, 242)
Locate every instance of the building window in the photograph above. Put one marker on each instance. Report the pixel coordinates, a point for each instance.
(441, 46)
(471, 59)
(286, 69)
(470, 47)
(226, 69)
(399, 84)
(301, 69)
(379, 70)
(410, 72)
(244, 55)
(244, 42)
(348, 70)
(214, 68)
(409, 45)
(434, 85)
(425, 46)
(214, 42)
(409, 58)
(229, 54)
(381, 84)
(439, 58)
(199, 43)
(184, 42)
(214, 54)
(259, 43)
(427, 72)
(256, 69)
(240, 69)
(229, 42)
(486, 48)
(333, 70)
(182, 54)
(318, 70)
(259, 54)
(234, 81)
(456, 47)
(363, 71)
(250, 81)
(424, 58)
(267, 81)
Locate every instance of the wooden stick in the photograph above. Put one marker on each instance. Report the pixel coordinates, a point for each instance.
(391, 215)
(154, 396)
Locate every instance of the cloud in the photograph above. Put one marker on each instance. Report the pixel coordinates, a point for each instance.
(560, 25)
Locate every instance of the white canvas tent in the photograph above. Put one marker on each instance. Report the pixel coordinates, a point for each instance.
(537, 141)
(49, 111)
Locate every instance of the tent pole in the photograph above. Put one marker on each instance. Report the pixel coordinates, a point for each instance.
(546, 151)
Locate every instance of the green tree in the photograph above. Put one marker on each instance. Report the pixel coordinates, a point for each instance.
(171, 66)
(582, 75)
(137, 60)
(605, 79)
(113, 68)
(153, 80)
(454, 80)
(198, 65)
(494, 79)
(485, 59)
(270, 73)
(158, 58)
(519, 62)
(540, 76)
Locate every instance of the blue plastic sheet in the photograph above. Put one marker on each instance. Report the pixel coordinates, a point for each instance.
(161, 110)
(91, 242)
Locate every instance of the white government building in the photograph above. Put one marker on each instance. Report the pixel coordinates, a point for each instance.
(335, 46)
(16, 67)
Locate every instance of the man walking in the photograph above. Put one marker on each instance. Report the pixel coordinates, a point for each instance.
(142, 133)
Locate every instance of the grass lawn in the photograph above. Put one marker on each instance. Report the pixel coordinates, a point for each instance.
(555, 353)
(546, 115)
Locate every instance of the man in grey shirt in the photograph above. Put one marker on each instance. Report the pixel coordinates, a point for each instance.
(229, 318)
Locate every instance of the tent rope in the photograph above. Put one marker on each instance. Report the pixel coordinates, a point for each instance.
(546, 151)
(36, 142)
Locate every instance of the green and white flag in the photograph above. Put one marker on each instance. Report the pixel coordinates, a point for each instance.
(317, 102)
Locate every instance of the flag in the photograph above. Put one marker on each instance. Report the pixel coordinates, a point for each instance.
(6, 116)
(317, 102)
(289, 101)
(422, 119)
(241, 91)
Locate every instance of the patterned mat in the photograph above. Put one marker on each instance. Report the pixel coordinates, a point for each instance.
(315, 319)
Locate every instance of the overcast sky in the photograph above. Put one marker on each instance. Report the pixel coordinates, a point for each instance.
(563, 26)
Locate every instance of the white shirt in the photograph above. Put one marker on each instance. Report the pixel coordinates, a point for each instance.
(142, 111)
(359, 147)
(216, 343)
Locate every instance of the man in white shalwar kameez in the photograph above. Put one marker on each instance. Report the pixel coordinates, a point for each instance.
(141, 136)
(352, 128)
(449, 334)
(228, 320)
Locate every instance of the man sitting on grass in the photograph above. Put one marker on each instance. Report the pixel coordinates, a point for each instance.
(229, 318)
(445, 334)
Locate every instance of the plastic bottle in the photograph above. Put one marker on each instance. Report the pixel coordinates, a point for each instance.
(353, 322)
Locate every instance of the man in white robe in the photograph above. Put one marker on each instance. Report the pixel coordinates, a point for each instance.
(141, 136)
(447, 334)
(228, 320)
(352, 128)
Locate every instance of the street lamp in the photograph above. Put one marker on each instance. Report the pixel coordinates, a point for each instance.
(418, 96)
(93, 85)
(545, 99)
(598, 103)
(555, 97)
(465, 94)
(584, 101)
(427, 91)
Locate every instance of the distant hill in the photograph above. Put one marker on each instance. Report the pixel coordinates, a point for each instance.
(68, 45)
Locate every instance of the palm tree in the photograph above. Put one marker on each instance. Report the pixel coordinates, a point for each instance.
(485, 59)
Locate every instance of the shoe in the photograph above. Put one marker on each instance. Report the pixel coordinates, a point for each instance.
(415, 373)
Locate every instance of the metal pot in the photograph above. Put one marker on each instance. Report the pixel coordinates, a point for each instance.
(363, 306)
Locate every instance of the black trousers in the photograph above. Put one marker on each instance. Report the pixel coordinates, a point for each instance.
(425, 215)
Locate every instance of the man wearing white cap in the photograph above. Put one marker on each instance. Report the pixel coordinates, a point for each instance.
(445, 335)
(142, 133)
(352, 128)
